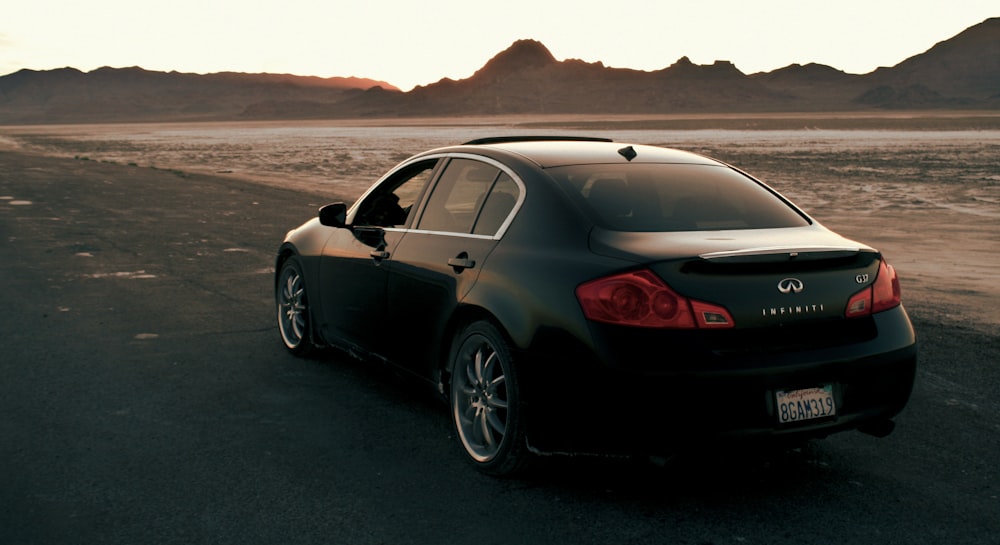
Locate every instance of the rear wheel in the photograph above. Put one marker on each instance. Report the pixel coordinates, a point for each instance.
(485, 400)
(293, 308)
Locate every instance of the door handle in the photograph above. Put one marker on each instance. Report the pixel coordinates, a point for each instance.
(379, 255)
(461, 262)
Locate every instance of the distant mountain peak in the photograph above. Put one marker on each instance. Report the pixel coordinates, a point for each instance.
(685, 68)
(520, 55)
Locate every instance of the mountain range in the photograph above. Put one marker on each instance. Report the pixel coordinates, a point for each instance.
(961, 72)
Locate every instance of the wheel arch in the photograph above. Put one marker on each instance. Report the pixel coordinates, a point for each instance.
(463, 316)
(284, 253)
(310, 271)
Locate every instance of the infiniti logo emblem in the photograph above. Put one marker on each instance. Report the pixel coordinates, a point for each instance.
(790, 285)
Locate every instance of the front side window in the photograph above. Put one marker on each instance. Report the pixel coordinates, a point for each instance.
(392, 202)
(674, 197)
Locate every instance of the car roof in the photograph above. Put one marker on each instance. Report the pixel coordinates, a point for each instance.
(549, 152)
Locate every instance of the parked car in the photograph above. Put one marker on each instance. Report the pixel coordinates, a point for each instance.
(576, 295)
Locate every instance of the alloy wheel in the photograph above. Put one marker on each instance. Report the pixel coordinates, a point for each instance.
(292, 307)
(480, 398)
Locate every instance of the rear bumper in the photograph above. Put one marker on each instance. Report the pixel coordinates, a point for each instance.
(585, 404)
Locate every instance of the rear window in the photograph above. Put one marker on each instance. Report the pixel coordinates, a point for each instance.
(674, 197)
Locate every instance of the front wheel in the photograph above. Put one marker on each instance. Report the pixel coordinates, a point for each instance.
(485, 401)
(293, 308)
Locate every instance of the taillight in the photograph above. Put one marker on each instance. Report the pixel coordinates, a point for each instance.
(642, 299)
(883, 294)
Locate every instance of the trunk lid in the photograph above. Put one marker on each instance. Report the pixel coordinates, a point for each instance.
(765, 277)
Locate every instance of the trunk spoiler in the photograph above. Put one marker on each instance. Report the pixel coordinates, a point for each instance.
(782, 253)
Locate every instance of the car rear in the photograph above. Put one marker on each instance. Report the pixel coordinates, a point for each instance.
(788, 341)
(733, 314)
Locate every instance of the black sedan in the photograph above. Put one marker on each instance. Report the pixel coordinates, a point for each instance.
(575, 295)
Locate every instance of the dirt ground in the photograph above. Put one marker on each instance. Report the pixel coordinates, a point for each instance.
(923, 187)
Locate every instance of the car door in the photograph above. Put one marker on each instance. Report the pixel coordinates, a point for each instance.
(355, 263)
(437, 263)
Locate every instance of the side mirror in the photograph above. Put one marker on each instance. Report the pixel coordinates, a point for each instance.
(333, 215)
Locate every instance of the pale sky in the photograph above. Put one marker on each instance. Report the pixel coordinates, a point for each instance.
(410, 42)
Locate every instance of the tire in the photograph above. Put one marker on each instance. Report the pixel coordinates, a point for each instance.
(294, 320)
(486, 406)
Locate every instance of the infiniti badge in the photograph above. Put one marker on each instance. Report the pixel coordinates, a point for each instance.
(790, 285)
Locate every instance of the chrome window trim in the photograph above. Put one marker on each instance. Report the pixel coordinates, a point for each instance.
(443, 233)
(510, 217)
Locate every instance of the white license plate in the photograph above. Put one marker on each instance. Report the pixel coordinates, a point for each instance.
(805, 404)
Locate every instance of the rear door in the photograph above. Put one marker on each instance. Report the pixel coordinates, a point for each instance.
(438, 262)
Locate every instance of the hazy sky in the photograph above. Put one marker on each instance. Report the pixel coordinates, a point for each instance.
(410, 42)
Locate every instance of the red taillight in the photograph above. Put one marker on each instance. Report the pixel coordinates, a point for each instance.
(640, 298)
(884, 294)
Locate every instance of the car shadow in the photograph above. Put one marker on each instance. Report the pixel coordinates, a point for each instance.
(722, 473)
(732, 473)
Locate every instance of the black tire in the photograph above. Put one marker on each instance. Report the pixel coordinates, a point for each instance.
(294, 320)
(486, 406)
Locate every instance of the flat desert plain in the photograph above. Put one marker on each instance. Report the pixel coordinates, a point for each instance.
(922, 187)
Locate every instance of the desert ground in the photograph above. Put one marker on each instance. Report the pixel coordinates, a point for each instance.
(922, 187)
(146, 397)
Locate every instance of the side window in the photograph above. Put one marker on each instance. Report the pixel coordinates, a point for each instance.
(392, 202)
(458, 196)
(497, 206)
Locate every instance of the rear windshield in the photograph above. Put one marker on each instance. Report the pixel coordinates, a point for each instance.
(674, 197)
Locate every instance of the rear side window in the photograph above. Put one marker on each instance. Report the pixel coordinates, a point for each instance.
(497, 205)
(674, 197)
(470, 197)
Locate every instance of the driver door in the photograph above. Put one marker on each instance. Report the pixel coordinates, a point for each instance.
(355, 264)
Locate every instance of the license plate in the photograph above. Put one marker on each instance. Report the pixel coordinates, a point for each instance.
(805, 404)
